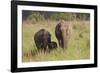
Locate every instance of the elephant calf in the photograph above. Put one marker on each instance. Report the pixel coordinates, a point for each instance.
(52, 45)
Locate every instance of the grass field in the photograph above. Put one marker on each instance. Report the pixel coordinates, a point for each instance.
(78, 47)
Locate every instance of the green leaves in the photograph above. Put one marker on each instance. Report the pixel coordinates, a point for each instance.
(36, 16)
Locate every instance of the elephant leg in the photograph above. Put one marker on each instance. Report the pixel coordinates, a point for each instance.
(62, 44)
(59, 43)
(38, 46)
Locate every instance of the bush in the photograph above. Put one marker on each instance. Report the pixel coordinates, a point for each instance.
(36, 16)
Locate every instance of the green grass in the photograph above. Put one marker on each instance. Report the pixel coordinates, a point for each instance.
(78, 46)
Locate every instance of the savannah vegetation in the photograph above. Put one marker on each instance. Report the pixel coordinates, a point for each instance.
(79, 42)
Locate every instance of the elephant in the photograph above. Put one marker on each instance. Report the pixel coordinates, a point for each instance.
(62, 33)
(41, 39)
(52, 45)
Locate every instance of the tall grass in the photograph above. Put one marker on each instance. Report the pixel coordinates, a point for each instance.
(78, 46)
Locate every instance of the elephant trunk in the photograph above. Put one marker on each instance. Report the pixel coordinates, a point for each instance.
(65, 38)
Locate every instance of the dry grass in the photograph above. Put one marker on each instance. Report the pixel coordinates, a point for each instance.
(79, 44)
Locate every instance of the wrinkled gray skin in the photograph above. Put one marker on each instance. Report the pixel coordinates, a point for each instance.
(52, 45)
(42, 38)
(62, 34)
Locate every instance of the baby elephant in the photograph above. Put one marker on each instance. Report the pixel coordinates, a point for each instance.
(52, 45)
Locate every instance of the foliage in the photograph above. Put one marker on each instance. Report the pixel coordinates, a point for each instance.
(36, 16)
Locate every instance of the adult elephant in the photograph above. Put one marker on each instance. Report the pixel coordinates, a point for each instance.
(62, 33)
(42, 38)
